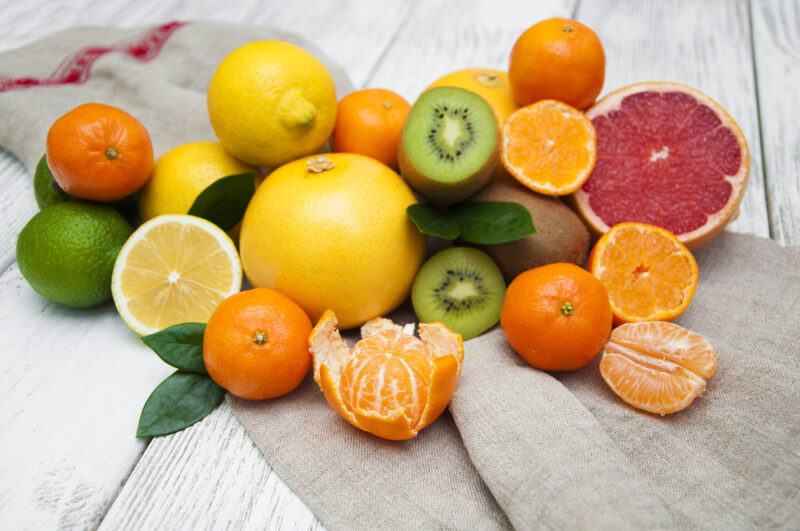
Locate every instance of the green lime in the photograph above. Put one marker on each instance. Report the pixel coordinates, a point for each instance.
(66, 252)
(45, 186)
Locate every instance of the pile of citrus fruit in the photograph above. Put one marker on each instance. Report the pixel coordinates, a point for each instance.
(514, 165)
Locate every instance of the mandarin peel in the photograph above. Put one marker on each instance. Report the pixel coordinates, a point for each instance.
(390, 384)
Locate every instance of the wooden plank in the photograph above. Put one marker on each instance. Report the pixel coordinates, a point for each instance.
(73, 382)
(208, 475)
(703, 44)
(776, 39)
(449, 35)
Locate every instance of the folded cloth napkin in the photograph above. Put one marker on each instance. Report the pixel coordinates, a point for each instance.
(519, 447)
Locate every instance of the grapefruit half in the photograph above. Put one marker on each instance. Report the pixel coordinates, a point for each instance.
(667, 155)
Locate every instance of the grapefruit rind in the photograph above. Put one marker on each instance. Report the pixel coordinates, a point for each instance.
(331, 356)
(717, 221)
(668, 360)
(597, 266)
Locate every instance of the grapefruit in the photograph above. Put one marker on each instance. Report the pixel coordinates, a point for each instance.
(667, 155)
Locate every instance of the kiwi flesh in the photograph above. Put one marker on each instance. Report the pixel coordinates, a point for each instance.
(462, 288)
(560, 234)
(449, 146)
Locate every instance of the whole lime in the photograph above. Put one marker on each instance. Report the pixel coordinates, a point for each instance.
(66, 252)
(45, 187)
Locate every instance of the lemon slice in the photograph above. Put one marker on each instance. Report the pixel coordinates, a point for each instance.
(174, 269)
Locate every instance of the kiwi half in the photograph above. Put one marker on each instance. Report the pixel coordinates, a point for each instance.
(449, 144)
(461, 287)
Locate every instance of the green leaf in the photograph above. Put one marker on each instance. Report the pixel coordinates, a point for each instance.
(224, 201)
(488, 222)
(430, 221)
(177, 403)
(180, 345)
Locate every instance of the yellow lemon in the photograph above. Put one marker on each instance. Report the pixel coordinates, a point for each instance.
(491, 85)
(331, 232)
(174, 269)
(271, 102)
(182, 173)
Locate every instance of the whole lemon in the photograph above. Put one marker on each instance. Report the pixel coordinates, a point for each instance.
(271, 102)
(491, 85)
(182, 173)
(331, 232)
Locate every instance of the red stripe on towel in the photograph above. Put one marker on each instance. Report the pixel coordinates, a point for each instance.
(76, 68)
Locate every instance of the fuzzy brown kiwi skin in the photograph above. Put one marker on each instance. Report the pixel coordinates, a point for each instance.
(560, 234)
(446, 194)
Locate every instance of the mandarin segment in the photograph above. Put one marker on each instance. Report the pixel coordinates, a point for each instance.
(658, 367)
(391, 383)
(648, 273)
(549, 147)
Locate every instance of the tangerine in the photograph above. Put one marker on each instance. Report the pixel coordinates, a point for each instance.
(369, 122)
(391, 384)
(99, 152)
(559, 59)
(255, 344)
(556, 317)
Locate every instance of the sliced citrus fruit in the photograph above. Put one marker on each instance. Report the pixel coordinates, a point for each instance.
(174, 269)
(549, 147)
(648, 273)
(391, 384)
(658, 367)
(667, 155)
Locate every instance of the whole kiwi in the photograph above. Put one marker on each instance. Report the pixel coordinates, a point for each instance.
(560, 235)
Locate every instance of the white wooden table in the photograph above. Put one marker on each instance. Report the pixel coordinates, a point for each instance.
(72, 383)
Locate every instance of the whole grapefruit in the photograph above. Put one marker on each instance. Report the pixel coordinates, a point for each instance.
(331, 232)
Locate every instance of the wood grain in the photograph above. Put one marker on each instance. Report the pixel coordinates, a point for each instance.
(444, 36)
(210, 475)
(776, 43)
(74, 382)
(703, 44)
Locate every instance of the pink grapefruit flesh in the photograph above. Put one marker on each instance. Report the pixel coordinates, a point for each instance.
(667, 155)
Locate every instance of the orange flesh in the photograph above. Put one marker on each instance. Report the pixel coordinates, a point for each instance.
(549, 147)
(647, 272)
(388, 372)
(657, 367)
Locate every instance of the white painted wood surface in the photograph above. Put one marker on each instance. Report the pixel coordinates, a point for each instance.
(71, 389)
(776, 24)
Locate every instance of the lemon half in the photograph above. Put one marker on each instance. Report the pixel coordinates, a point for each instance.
(174, 269)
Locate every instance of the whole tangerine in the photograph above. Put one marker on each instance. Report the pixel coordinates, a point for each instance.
(255, 344)
(556, 317)
(558, 59)
(369, 122)
(99, 152)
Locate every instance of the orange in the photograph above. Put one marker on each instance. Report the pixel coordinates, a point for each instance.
(255, 344)
(658, 367)
(549, 147)
(99, 152)
(559, 59)
(391, 384)
(556, 317)
(369, 122)
(491, 85)
(649, 274)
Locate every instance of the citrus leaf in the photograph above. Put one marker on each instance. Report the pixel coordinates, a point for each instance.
(178, 402)
(224, 201)
(430, 221)
(180, 345)
(488, 222)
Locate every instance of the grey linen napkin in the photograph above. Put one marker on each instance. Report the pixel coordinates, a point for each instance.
(519, 447)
